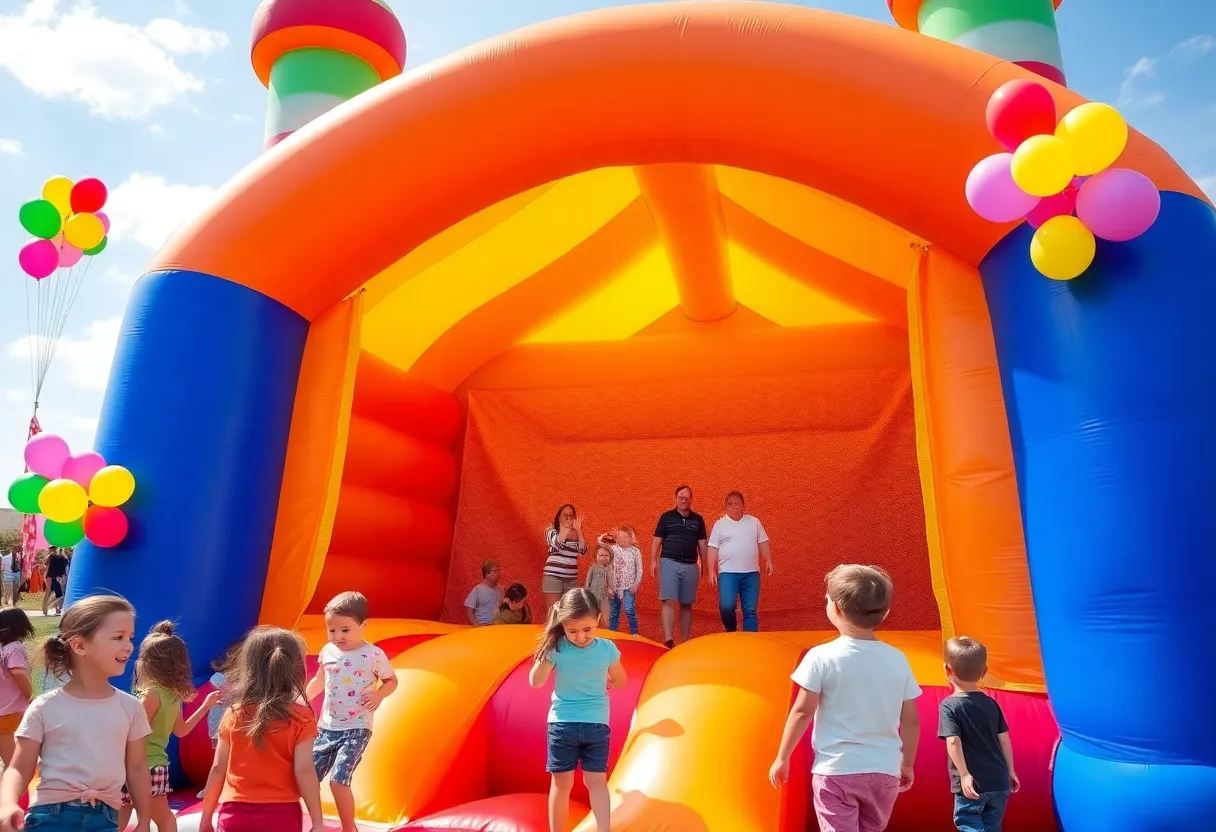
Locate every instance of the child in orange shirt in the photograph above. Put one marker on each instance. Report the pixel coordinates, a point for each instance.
(263, 760)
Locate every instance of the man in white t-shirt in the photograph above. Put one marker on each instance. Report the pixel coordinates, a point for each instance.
(736, 544)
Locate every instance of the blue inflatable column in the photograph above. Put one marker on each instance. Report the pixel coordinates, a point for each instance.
(198, 407)
(1110, 387)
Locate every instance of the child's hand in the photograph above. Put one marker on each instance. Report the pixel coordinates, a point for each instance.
(610, 685)
(779, 773)
(211, 701)
(11, 817)
(373, 698)
(205, 824)
(1014, 782)
(906, 775)
(969, 789)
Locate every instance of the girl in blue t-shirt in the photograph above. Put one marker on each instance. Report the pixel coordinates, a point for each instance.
(584, 667)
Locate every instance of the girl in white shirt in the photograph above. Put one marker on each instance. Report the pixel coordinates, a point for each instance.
(627, 577)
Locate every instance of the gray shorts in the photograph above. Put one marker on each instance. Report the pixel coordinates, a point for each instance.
(678, 581)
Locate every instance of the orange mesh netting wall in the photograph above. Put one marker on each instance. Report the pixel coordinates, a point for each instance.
(827, 460)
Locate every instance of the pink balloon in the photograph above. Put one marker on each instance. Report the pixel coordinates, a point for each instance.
(46, 454)
(1118, 204)
(69, 255)
(1056, 205)
(83, 467)
(105, 220)
(994, 195)
(39, 258)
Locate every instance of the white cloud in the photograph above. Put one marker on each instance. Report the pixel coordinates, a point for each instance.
(1132, 92)
(83, 360)
(117, 70)
(156, 130)
(10, 147)
(1192, 49)
(146, 208)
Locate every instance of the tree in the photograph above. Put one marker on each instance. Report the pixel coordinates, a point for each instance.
(10, 539)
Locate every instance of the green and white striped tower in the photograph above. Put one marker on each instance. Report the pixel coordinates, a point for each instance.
(1020, 31)
(314, 54)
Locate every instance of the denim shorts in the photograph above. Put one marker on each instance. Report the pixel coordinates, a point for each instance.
(572, 743)
(337, 753)
(73, 816)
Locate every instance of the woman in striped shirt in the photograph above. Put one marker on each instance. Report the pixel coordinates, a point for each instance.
(566, 543)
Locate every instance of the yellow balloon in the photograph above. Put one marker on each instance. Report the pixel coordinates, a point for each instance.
(84, 231)
(63, 501)
(1096, 134)
(58, 192)
(1042, 166)
(1062, 248)
(111, 486)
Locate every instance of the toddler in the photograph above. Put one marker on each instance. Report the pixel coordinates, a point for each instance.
(584, 667)
(977, 741)
(263, 761)
(599, 580)
(85, 738)
(485, 598)
(356, 678)
(163, 683)
(626, 578)
(514, 609)
(861, 695)
(15, 685)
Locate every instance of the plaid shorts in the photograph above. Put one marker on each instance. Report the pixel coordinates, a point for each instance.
(160, 784)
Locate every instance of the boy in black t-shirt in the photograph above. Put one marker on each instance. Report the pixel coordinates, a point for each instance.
(977, 741)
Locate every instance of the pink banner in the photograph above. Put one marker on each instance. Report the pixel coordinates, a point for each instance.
(32, 538)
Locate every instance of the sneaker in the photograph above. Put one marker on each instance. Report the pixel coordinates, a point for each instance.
(669, 644)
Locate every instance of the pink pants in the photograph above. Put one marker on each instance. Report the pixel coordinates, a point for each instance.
(260, 817)
(854, 802)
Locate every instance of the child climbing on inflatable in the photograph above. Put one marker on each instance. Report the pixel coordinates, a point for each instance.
(356, 677)
(263, 762)
(584, 667)
(163, 683)
(86, 738)
(858, 691)
(16, 688)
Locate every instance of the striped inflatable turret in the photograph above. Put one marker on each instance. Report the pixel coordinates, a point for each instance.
(1021, 31)
(314, 54)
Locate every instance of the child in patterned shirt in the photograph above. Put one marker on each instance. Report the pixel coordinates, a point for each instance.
(356, 678)
(627, 577)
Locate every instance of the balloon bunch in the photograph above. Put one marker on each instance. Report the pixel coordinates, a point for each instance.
(1058, 178)
(79, 495)
(68, 223)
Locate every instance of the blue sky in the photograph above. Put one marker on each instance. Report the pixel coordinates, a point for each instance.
(157, 98)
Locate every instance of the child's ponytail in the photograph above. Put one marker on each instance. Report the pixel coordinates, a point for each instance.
(269, 679)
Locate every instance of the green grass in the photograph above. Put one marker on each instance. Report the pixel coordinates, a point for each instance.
(44, 626)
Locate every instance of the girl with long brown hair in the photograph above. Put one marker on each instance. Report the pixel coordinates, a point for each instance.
(584, 667)
(263, 760)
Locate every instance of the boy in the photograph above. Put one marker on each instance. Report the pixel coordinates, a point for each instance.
(977, 741)
(348, 671)
(485, 598)
(857, 690)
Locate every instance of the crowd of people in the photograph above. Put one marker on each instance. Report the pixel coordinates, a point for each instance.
(52, 568)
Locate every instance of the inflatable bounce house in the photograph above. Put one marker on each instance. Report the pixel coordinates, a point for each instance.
(721, 243)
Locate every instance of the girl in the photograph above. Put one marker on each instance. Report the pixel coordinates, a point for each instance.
(11, 568)
(162, 679)
(87, 738)
(584, 668)
(263, 762)
(566, 543)
(626, 578)
(599, 580)
(15, 685)
(514, 609)
(219, 680)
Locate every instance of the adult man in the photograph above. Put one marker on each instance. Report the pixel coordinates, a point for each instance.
(56, 581)
(680, 538)
(735, 546)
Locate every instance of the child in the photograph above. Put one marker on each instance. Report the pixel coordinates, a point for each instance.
(11, 567)
(86, 738)
(599, 580)
(219, 680)
(15, 685)
(349, 670)
(626, 578)
(584, 668)
(858, 691)
(484, 598)
(163, 682)
(514, 609)
(263, 763)
(977, 741)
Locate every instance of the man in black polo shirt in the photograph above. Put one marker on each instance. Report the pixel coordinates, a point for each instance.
(681, 539)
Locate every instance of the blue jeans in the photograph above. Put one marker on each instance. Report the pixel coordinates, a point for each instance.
(571, 744)
(983, 814)
(743, 587)
(72, 817)
(614, 612)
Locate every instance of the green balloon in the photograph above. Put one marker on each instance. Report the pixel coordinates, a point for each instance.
(64, 534)
(23, 493)
(41, 219)
(97, 249)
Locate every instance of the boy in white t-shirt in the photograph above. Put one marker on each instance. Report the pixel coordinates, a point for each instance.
(736, 545)
(861, 695)
(356, 678)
